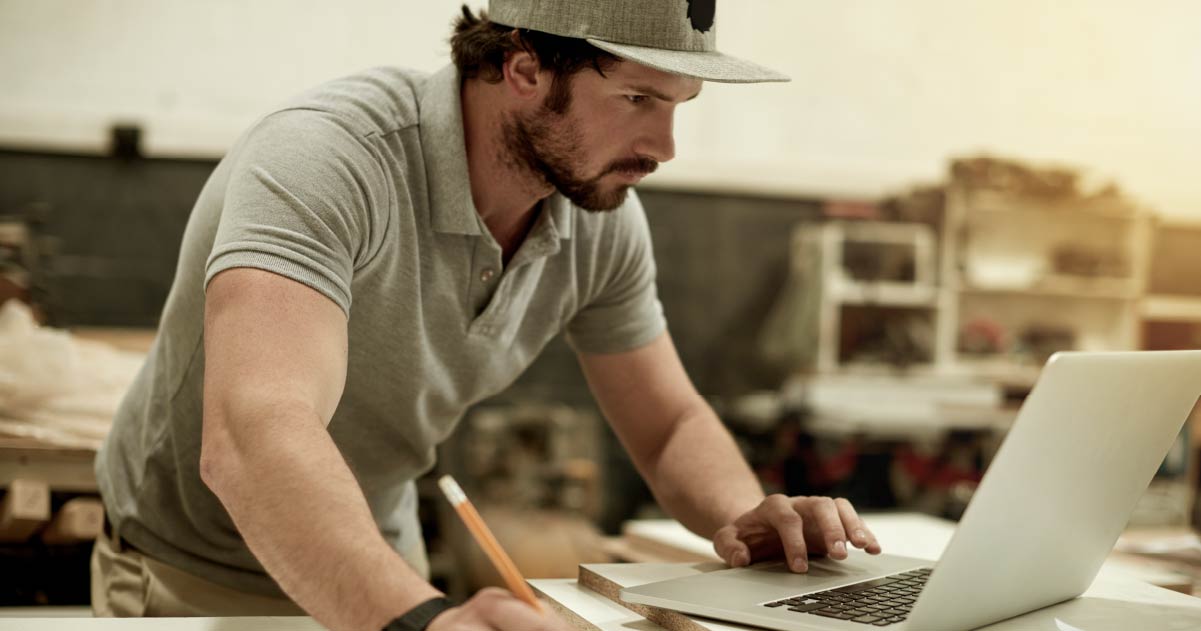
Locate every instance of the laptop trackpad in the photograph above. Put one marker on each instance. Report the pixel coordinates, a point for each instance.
(823, 573)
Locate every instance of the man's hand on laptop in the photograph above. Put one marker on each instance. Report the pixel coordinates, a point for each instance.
(794, 527)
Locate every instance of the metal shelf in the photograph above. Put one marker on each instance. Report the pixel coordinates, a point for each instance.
(885, 294)
(1178, 308)
(1063, 286)
(992, 202)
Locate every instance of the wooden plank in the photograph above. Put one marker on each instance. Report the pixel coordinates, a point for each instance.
(667, 540)
(63, 469)
(79, 519)
(576, 619)
(135, 340)
(619, 549)
(587, 610)
(24, 509)
(608, 579)
(36, 446)
(639, 543)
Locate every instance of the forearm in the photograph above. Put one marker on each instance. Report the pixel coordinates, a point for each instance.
(303, 515)
(676, 441)
(700, 477)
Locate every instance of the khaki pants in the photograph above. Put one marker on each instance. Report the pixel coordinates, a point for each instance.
(127, 583)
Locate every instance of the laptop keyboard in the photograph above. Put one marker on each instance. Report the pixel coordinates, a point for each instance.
(879, 602)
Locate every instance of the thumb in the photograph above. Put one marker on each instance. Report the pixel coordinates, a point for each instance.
(730, 548)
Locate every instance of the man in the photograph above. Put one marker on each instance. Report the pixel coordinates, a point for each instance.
(381, 254)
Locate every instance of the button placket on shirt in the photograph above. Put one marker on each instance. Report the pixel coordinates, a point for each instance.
(494, 297)
(484, 278)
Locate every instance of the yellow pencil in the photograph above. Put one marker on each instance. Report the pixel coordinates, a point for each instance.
(483, 536)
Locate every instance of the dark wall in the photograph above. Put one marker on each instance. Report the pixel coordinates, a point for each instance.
(117, 226)
(721, 262)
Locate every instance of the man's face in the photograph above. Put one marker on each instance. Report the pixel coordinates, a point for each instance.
(614, 130)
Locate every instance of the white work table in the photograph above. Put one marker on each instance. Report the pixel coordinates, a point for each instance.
(1117, 600)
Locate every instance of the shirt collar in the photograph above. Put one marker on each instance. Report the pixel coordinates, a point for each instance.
(451, 207)
(561, 216)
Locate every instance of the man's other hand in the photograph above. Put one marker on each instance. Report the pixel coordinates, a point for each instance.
(495, 609)
(794, 527)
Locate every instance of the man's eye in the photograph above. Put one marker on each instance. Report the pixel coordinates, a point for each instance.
(637, 98)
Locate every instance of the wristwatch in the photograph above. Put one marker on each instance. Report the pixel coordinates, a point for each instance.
(419, 617)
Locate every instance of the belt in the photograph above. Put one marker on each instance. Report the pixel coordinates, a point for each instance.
(119, 543)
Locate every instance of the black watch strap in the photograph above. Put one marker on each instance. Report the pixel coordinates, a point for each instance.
(419, 617)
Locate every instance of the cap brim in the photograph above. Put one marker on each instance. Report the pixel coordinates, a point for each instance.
(708, 66)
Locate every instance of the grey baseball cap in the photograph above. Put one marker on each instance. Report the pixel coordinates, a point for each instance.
(675, 36)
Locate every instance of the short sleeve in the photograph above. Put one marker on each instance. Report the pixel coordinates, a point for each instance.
(625, 313)
(298, 202)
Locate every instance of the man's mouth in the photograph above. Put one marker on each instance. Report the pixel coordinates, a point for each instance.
(633, 176)
(636, 168)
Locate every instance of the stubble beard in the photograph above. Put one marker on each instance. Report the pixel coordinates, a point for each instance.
(546, 144)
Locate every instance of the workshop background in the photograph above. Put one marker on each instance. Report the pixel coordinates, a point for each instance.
(863, 269)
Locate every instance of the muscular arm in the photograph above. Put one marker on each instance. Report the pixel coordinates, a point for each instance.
(675, 439)
(697, 473)
(275, 353)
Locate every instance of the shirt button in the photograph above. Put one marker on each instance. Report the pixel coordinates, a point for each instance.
(487, 274)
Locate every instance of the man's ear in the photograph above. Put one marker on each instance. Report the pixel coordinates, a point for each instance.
(523, 75)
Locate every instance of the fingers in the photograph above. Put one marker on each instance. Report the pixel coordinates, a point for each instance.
(730, 548)
(496, 609)
(860, 535)
(515, 615)
(794, 526)
(823, 518)
(778, 510)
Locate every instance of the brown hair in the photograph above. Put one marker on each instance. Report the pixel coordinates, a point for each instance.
(479, 48)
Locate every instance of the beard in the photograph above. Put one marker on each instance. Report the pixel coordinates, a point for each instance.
(547, 143)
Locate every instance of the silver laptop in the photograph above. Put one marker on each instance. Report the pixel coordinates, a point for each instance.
(1084, 447)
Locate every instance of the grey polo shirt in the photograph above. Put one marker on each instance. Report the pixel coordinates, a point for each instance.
(359, 189)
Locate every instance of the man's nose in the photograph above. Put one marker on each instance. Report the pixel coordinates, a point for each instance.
(658, 142)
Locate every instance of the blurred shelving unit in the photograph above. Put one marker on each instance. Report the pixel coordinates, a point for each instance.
(898, 274)
(936, 309)
(1041, 274)
(929, 316)
(1171, 310)
(1171, 320)
(1028, 275)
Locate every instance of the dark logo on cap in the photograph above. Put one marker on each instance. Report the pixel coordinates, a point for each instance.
(700, 12)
